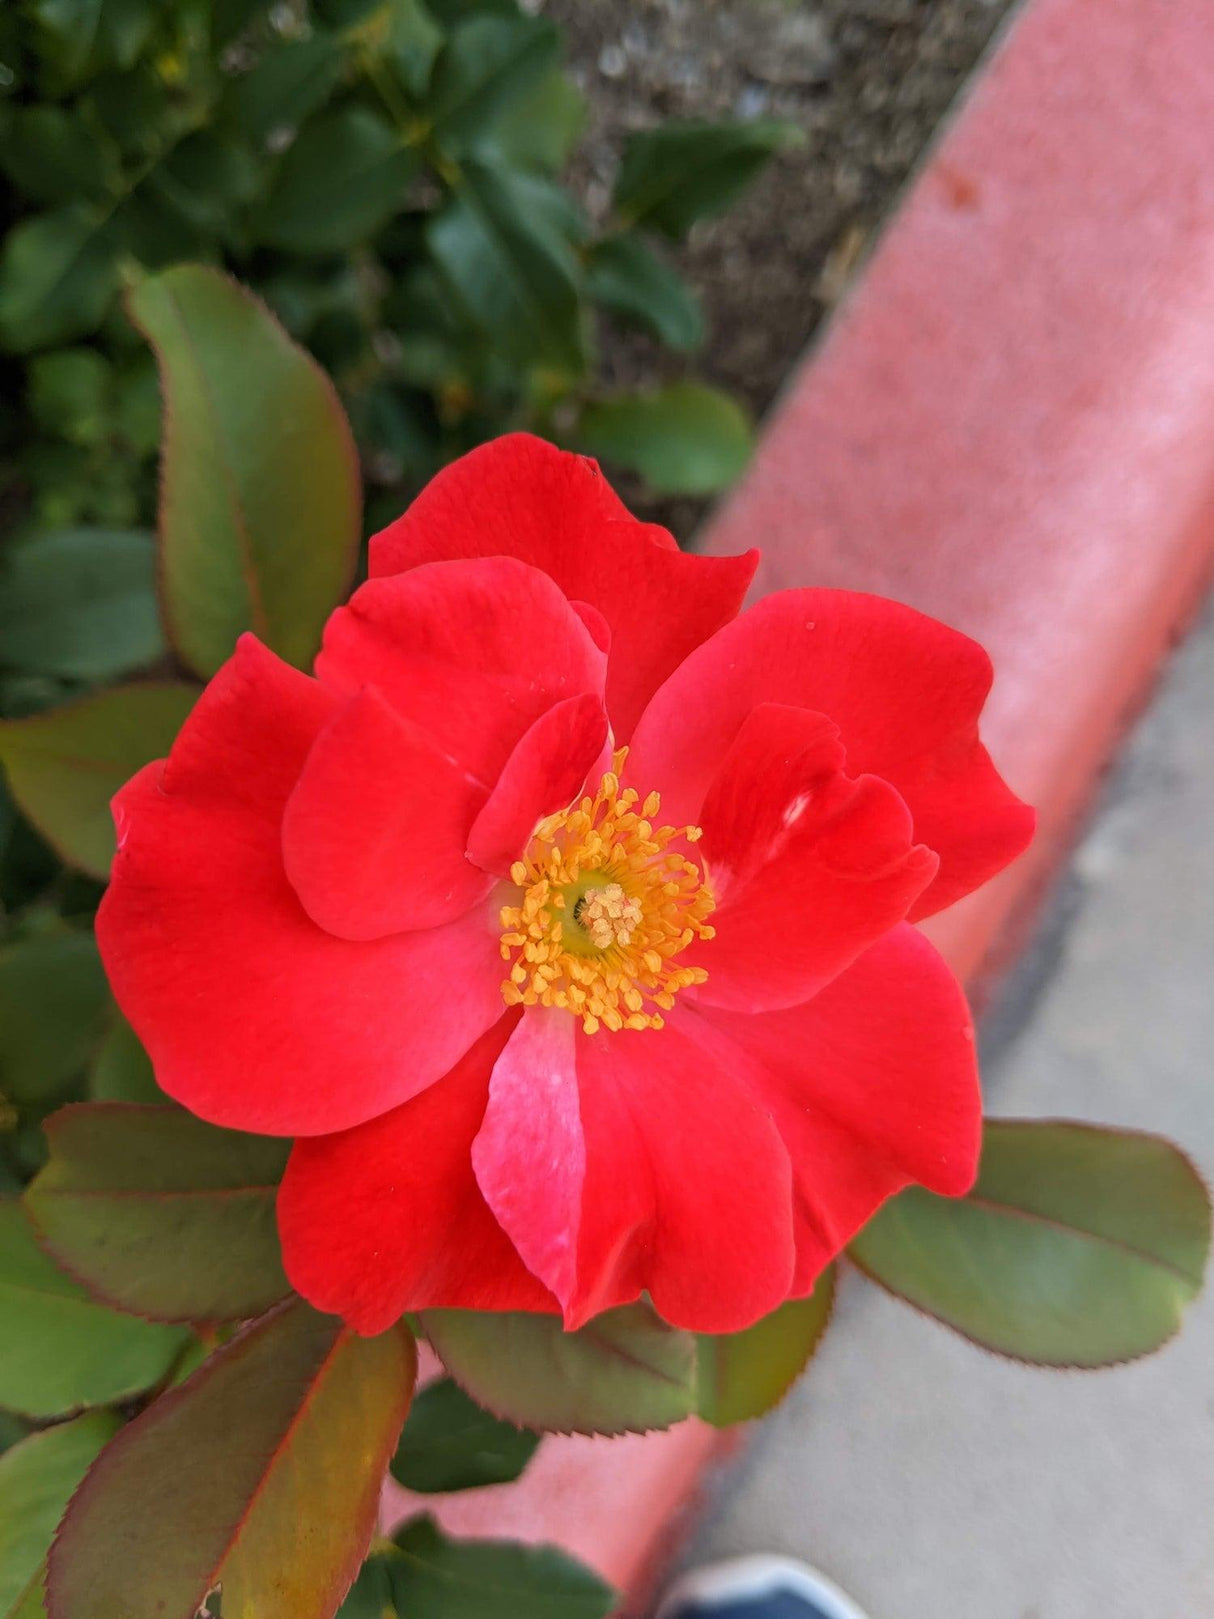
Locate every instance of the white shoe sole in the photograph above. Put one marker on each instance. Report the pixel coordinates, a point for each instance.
(749, 1578)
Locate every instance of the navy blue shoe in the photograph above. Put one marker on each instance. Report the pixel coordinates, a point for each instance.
(757, 1588)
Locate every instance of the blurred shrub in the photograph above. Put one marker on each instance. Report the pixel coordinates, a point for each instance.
(384, 173)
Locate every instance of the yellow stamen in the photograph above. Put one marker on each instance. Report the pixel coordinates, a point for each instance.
(606, 905)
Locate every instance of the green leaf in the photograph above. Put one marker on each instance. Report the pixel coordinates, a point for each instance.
(37, 1479)
(449, 1443)
(12, 1429)
(341, 180)
(287, 83)
(541, 128)
(53, 1006)
(686, 439)
(80, 604)
(627, 277)
(231, 17)
(436, 1578)
(203, 183)
(681, 172)
(74, 26)
(64, 766)
(161, 1214)
(370, 1597)
(516, 275)
(59, 1349)
(487, 64)
(1079, 1246)
(260, 501)
(126, 29)
(453, 12)
(625, 1372)
(412, 40)
(260, 1474)
(51, 157)
(58, 273)
(33, 1604)
(122, 1070)
(70, 394)
(741, 1375)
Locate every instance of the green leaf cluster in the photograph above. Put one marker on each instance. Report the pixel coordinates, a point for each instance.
(386, 174)
(237, 1466)
(422, 1574)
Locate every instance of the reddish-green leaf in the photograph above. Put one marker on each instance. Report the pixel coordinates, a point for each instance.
(59, 1349)
(162, 1214)
(37, 1478)
(1078, 1246)
(625, 1372)
(741, 1375)
(259, 1476)
(64, 766)
(260, 502)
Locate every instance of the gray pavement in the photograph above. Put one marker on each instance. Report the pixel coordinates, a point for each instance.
(934, 1481)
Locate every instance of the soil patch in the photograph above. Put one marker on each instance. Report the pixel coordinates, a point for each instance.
(867, 80)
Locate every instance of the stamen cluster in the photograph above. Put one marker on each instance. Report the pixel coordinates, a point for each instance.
(607, 904)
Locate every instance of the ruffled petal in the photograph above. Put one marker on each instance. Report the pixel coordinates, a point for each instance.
(520, 497)
(904, 690)
(807, 917)
(873, 1085)
(550, 765)
(388, 1217)
(253, 1016)
(374, 831)
(842, 870)
(472, 652)
(782, 774)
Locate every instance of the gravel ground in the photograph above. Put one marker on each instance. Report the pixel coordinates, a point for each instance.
(867, 80)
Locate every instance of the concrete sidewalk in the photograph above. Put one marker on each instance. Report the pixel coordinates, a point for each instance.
(934, 1481)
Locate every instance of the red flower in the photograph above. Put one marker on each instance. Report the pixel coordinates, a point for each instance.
(445, 913)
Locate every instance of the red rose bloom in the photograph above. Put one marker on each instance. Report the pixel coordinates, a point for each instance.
(564, 914)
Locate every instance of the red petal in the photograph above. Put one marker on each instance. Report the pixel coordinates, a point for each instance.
(472, 652)
(809, 867)
(873, 1085)
(529, 1157)
(670, 1128)
(904, 690)
(253, 1016)
(388, 1217)
(547, 771)
(520, 497)
(374, 831)
(782, 772)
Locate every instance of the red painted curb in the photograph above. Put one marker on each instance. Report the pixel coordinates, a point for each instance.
(1009, 425)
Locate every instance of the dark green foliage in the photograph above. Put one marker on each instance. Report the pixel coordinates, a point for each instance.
(383, 172)
(424, 1575)
(450, 1443)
